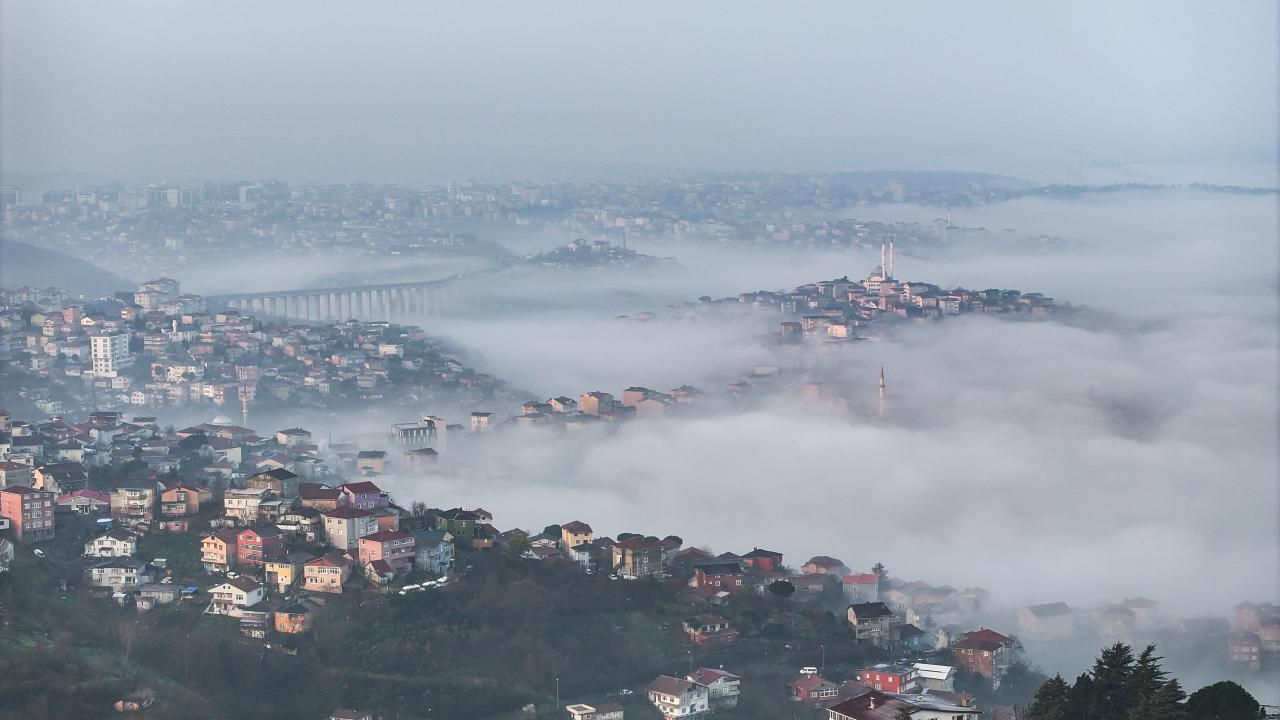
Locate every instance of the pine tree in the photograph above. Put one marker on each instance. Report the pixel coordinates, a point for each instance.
(1164, 704)
(1080, 699)
(882, 575)
(1111, 672)
(1146, 678)
(1051, 700)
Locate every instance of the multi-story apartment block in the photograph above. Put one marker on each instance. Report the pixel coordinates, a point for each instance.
(134, 501)
(29, 511)
(110, 353)
(394, 547)
(218, 551)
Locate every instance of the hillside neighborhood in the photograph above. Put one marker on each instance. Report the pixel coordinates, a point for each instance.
(265, 532)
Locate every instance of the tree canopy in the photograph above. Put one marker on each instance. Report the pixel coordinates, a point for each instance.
(782, 588)
(1223, 701)
(1122, 687)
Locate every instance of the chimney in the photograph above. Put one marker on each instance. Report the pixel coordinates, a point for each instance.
(873, 704)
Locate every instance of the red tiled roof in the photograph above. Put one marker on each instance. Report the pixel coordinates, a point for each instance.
(668, 685)
(806, 683)
(92, 494)
(315, 491)
(862, 579)
(874, 705)
(976, 644)
(988, 635)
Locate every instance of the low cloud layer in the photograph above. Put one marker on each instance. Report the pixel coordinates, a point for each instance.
(1041, 460)
(1005, 462)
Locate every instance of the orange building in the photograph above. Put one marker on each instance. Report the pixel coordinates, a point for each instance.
(30, 512)
(294, 619)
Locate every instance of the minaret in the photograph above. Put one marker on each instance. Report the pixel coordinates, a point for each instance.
(888, 271)
(881, 410)
(244, 408)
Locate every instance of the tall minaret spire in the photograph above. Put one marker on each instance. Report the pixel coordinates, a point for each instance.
(881, 411)
(888, 272)
(884, 272)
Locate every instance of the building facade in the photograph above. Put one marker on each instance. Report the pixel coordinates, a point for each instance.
(256, 545)
(345, 526)
(29, 511)
(218, 551)
(636, 558)
(110, 353)
(394, 547)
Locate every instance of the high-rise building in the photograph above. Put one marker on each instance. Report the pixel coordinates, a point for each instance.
(110, 353)
(30, 512)
(153, 293)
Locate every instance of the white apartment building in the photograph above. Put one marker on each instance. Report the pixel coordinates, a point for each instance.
(110, 353)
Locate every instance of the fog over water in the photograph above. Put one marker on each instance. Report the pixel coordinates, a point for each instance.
(1086, 461)
(1113, 456)
(1041, 460)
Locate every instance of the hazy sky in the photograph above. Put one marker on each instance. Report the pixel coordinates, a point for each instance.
(426, 92)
